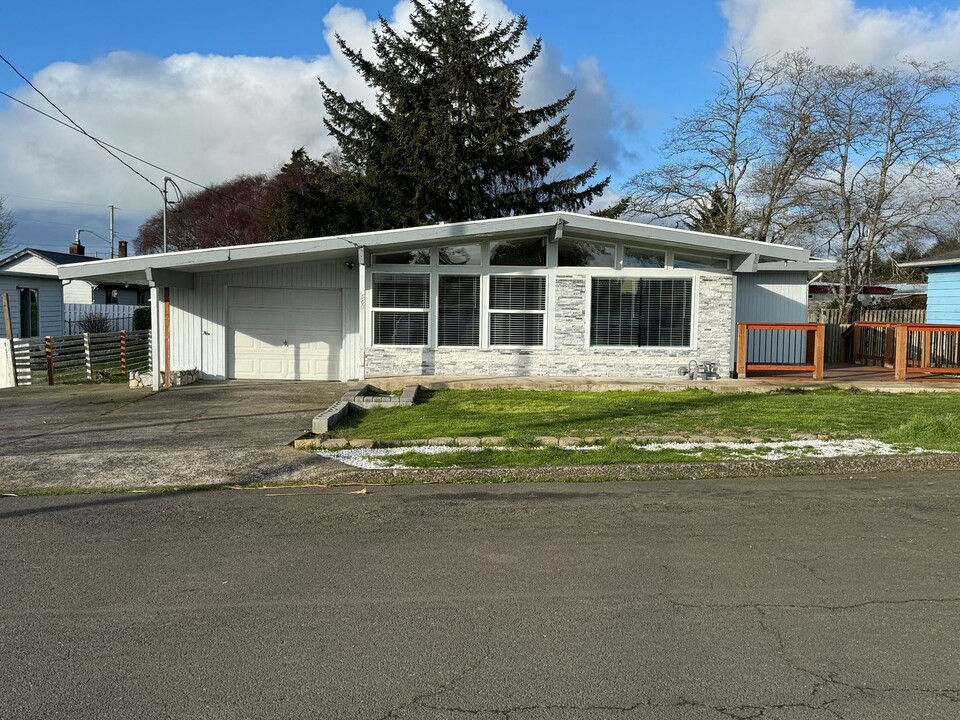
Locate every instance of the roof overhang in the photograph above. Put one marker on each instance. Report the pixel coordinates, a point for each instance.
(135, 269)
(811, 265)
(930, 263)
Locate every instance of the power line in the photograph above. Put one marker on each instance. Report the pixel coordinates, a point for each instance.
(54, 222)
(135, 157)
(61, 202)
(77, 125)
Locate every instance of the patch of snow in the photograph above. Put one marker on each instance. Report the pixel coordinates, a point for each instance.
(784, 449)
(375, 458)
(378, 458)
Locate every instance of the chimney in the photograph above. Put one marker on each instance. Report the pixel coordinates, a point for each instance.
(76, 248)
(122, 248)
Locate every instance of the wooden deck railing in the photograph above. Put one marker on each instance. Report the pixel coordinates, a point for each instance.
(926, 349)
(908, 348)
(813, 355)
(869, 343)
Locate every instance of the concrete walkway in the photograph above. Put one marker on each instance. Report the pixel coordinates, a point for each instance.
(861, 378)
(113, 436)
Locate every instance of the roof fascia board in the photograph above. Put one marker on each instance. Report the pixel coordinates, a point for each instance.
(929, 263)
(212, 259)
(807, 266)
(689, 238)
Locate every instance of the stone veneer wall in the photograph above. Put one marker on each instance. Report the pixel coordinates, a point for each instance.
(570, 357)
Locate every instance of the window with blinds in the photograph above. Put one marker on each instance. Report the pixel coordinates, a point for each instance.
(401, 303)
(458, 310)
(641, 312)
(517, 308)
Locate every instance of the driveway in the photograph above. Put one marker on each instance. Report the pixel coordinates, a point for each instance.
(111, 435)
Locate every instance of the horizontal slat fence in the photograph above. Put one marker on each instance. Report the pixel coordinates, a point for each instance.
(75, 358)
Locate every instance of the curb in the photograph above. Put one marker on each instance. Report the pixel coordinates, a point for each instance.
(846, 467)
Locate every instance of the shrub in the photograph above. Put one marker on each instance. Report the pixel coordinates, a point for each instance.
(141, 318)
(95, 323)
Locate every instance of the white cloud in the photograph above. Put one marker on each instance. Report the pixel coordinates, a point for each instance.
(840, 31)
(212, 117)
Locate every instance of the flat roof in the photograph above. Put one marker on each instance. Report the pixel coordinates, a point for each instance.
(133, 269)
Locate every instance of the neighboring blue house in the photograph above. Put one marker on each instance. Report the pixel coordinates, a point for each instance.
(943, 286)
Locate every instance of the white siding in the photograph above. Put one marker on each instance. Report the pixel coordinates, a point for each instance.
(77, 291)
(198, 316)
(32, 265)
(51, 302)
(774, 297)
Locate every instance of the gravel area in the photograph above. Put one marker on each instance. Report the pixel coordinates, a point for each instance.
(796, 467)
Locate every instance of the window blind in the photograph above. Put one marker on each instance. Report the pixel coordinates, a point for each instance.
(458, 310)
(641, 312)
(521, 302)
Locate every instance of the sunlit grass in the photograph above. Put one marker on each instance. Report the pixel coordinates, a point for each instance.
(926, 419)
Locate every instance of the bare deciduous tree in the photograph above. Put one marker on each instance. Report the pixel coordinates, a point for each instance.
(225, 214)
(793, 138)
(711, 150)
(889, 172)
(7, 224)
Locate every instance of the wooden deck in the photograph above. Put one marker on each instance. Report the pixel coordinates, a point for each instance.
(843, 373)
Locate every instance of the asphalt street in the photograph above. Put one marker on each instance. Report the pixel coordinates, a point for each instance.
(786, 599)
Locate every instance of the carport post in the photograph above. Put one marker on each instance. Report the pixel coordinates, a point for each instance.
(8, 328)
(155, 337)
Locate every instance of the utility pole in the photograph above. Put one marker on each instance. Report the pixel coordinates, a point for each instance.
(111, 232)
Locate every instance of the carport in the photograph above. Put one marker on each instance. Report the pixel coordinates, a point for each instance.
(278, 311)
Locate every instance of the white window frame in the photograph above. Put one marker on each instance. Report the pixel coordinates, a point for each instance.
(431, 279)
(490, 311)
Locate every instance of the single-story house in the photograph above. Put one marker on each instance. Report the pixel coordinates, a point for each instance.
(554, 294)
(943, 286)
(35, 292)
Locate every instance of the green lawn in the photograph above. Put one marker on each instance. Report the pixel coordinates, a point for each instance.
(930, 420)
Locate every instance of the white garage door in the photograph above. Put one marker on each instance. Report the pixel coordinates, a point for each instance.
(284, 333)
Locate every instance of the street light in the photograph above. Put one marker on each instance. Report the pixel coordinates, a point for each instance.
(168, 179)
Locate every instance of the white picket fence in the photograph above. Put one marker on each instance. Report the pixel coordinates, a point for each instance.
(116, 317)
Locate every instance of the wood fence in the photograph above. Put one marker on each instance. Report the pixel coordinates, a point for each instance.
(832, 316)
(75, 358)
(834, 340)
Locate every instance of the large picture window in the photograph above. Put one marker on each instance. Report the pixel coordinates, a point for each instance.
(458, 310)
(641, 312)
(517, 308)
(401, 304)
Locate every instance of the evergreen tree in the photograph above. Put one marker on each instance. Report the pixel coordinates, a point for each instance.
(710, 214)
(311, 198)
(448, 140)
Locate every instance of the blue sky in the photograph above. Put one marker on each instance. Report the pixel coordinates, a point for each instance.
(209, 92)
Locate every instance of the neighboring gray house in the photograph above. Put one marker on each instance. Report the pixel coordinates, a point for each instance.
(943, 286)
(36, 293)
(552, 294)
